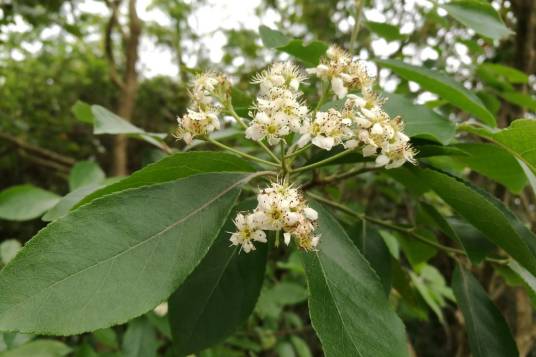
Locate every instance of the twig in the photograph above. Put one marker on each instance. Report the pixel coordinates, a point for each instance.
(240, 153)
(322, 162)
(335, 178)
(65, 160)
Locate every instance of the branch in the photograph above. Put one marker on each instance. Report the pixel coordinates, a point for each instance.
(61, 170)
(108, 44)
(335, 178)
(59, 158)
(132, 42)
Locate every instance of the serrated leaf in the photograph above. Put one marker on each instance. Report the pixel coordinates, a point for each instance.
(25, 202)
(479, 16)
(487, 214)
(85, 173)
(347, 303)
(444, 86)
(372, 246)
(419, 120)
(174, 167)
(494, 162)
(489, 335)
(115, 258)
(67, 202)
(518, 139)
(219, 294)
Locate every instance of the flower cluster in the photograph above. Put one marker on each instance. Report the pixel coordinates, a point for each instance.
(361, 122)
(279, 109)
(343, 72)
(280, 207)
(208, 92)
(378, 133)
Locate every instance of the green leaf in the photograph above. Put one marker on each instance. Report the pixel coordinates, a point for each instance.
(300, 346)
(174, 167)
(479, 16)
(521, 99)
(488, 332)
(85, 173)
(419, 120)
(218, 296)
(432, 287)
(8, 250)
(106, 122)
(510, 74)
(416, 251)
(272, 38)
(425, 150)
(347, 302)
(106, 337)
(387, 31)
(518, 139)
(475, 244)
(494, 162)
(67, 202)
(140, 339)
(446, 87)
(372, 246)
(25, 202)
(487, 214)
(82, 111)
(273, 299)
(39, 348)
(310, 54)
(115, 258)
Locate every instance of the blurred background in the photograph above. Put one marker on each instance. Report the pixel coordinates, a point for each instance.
(135, 58)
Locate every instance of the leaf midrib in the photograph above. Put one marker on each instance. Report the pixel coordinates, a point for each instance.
(324, 276)
(179, 221)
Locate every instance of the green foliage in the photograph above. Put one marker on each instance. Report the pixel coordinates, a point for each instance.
(86, 273)
(518, 139)
(421, 122)
(85, 173)
(174, 167)
(25, 202)
(347, 303)
(225, 284)
(444, 86)
(309, 54)
(479, 16)
(487, 214)
(488, 332)
(39, 348)
(118, 247)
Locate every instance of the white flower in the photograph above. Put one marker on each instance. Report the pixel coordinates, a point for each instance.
(310, 213)
(283, 75)
(327, 130)
(279, 109)
(337, 85)
(280, 207)
(247, 233)
(161, 310)
(194, 124)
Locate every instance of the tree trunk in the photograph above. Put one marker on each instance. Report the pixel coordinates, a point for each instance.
(128, 84)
